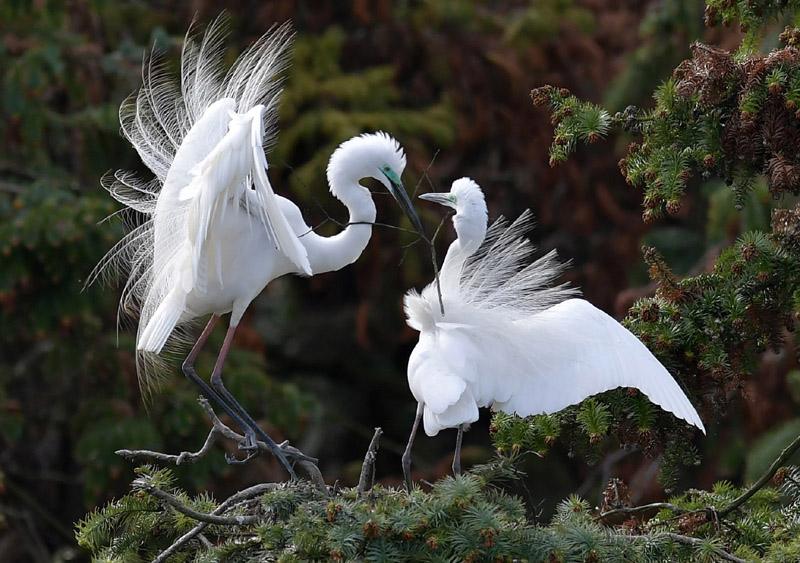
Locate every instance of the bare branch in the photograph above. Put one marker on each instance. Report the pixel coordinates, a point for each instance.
(425, 174)
(245, 494)
(184, 457)
(630, 511)
(309, 464)
(201, 516)
(367, 478)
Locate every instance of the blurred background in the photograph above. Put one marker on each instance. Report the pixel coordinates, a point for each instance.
(321, 361)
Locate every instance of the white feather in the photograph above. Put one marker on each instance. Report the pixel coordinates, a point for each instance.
(180, 132)
(209, 233)
(511, 340)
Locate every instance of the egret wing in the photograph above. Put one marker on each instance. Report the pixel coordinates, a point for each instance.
(575, 350)
(169, 277)
(439, 385)
(234, 173)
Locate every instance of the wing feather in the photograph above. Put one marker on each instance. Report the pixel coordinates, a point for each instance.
(175, 127)
(575, 350)
(234, 173)
(522, 345)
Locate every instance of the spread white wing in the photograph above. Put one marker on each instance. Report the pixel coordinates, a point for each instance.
(512, 341)
(575, 350)
(539, 365)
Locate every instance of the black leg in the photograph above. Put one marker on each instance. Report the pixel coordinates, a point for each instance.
(218, 385)
(457, 453)
(188, 369)
(407, 453)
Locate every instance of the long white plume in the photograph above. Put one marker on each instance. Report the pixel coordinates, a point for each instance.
(156, 121)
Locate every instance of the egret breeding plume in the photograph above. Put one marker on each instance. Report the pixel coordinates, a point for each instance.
(214, 232)
(504, 337)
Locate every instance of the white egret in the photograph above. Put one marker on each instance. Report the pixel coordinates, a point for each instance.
(215, 234)
(503, 337)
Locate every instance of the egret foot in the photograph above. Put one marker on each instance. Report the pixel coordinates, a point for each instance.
(233, 460)
(250, 445)
(280, 456)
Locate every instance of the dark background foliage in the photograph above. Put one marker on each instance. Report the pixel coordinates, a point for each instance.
(321, 361)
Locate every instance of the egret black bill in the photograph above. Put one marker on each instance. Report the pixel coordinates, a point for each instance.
(400, 195)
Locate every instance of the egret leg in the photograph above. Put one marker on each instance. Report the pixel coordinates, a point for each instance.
(457, 453)
(407, 453)
(219, 386)
(188, 370)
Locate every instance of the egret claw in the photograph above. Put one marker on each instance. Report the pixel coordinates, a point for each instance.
(233, 460)
(250, 443)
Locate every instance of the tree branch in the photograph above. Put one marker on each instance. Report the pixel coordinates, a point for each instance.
(695, 542)
(367, 478)
(309, 464)
(184, 457)
(630, 511)
(235, 498)
(787, 452)
(201, 516)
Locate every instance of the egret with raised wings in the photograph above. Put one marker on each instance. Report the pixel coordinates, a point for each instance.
(215, 233)
(503, 336)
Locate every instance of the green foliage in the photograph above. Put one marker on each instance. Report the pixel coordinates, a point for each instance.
(732, 116)
(665, 31)
(756, 531)
(46, 234)
(512, 435)
(594, 419)
(753, 17)
(466, 518)
(710, 328)
(716, 115)
(574, 119)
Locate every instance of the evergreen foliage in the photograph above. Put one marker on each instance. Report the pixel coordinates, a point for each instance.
(464, 518)
(68, 395)
(734, 117)
(721, 114)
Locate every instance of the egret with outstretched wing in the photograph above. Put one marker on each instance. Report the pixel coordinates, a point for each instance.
(504, 337)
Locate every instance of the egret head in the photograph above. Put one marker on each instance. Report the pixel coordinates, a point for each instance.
(466, 197)
(374, 155)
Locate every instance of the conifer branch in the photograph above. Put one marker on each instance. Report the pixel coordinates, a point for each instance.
(245, 494)
(698, 543)
(787, 452)
(180, 542)
(242, 520)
